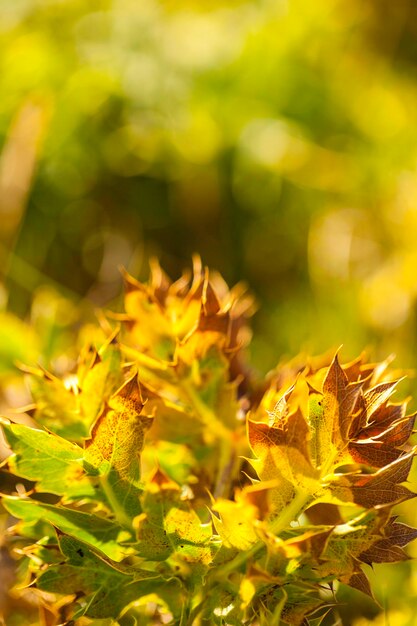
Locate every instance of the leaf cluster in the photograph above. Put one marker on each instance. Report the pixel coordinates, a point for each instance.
(164, 484)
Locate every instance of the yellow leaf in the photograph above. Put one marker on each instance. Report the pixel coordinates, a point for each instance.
(236, 526)
(118, 435)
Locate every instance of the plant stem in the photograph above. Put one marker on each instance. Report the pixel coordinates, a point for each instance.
(194, 613)
(208, 416)
(227, 462)
(288, 515)
(224, 436)
(119, 513)
(147, 362)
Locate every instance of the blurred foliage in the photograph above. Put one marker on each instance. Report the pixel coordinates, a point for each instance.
(275, 137)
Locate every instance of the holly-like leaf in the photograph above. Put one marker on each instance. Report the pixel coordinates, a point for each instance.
(333, 421)
(295, 602)
(100, 381)
(99, 532)
(373, 537)
(329, 437)
(56, 406)
(104, 588)
(118, 435)
(382, 487)
(236, 526)
(69, 407)
(316, 438)
(55, 464)
(161, 314)
(388, 548)
(115, 445)
(330, 459)
(170, 528)
(282, 455)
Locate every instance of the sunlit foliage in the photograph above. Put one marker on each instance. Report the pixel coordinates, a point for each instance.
(276, 137)
(161, 482)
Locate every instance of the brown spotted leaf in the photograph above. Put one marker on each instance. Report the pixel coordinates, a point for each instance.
(118, 435)
(384, 486)
(114, 448)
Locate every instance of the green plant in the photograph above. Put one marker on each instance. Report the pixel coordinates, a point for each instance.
(162, 484)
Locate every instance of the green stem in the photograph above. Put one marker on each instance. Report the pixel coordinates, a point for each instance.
(226, 468)
(208, 416)
(194, 613)
(119, 512)
(147, 362)
(275, 619)
(227, 458)
(288, 515)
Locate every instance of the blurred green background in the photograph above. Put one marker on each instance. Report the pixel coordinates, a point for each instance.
(277, 138)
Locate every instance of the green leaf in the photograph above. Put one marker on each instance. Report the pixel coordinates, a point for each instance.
(98, 532)
(70, 408)
(105, 588)
(223, 607)
(100, 381)
(169, 527)
(57, 406)
(301, 601)
(56, 465)
(114, 448)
